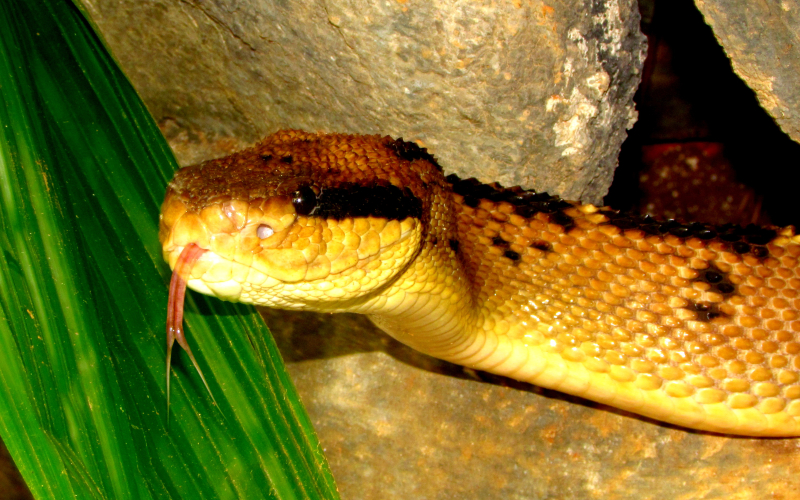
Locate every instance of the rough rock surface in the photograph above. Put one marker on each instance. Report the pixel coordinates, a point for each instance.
(762, 40)
(522, 92)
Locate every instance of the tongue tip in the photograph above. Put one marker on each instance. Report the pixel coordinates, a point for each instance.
(177, 293)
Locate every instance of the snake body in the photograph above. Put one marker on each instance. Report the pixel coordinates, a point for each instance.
(684, 323)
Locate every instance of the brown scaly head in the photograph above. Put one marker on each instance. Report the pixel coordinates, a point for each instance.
(300, 221)
(685, 323)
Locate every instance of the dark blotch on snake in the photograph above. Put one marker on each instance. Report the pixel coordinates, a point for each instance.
(526, 203)
(655, 227)
(544, 246)
(705, 311)
(411, 151)
(511, 254)
(454, 245)
(563, 220)
(717, 279)
(741, 247)
(499, 242)
(471, 201)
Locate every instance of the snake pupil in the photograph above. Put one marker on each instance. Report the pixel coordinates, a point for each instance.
(304, 200)
(264, 231)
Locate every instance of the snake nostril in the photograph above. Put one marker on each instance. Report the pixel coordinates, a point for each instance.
(264, 231)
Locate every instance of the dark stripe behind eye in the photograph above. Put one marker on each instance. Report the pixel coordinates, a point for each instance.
(353, 200)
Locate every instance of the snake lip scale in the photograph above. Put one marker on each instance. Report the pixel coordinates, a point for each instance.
(689, 324)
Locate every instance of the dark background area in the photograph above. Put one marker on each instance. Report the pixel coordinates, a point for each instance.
(690, 93)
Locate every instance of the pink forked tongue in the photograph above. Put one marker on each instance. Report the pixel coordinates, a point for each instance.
(177, 293)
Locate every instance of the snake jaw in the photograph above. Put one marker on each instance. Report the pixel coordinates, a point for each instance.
(177, 293)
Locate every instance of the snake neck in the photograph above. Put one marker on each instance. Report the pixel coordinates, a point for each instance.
(432, 305)
(448, 303)
(468, 296)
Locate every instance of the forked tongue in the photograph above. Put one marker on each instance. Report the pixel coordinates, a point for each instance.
(177, 293)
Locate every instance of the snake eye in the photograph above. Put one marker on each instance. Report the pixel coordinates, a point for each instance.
(304, 200)
(264, 231)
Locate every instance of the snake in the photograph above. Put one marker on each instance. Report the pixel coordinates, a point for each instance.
(686, 323)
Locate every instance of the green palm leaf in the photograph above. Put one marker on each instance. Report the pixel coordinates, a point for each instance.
(83, 291)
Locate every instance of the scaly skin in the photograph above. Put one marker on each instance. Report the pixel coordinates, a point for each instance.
(687, 324)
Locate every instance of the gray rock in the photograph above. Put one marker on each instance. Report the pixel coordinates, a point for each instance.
(762, 40)
(530, 93)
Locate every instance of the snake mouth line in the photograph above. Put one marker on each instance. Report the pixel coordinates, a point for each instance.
(177, 294)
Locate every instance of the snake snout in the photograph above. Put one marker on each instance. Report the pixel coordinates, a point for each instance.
(245, 241)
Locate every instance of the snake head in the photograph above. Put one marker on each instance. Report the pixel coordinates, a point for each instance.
(300, 221)
(289, 232)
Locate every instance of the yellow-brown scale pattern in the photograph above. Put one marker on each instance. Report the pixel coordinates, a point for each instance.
(687, 324)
